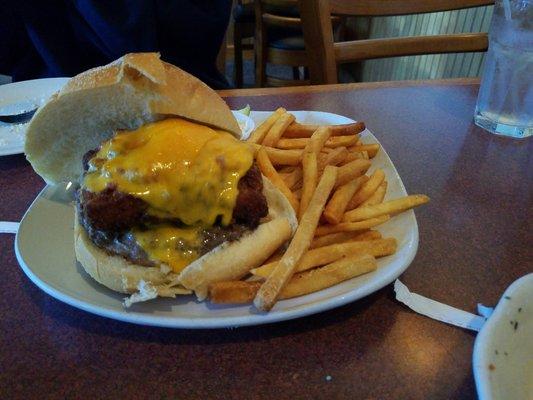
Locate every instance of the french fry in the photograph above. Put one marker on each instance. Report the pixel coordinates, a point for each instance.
(334, 157)
(351, 171)
(389, 207)
(310, 167)
(253, 278)
(341, 141)
(371, 149)
(367, 189)
(284, 157)
(293, 178)
(331, 143)
(297, 130)
(317, 140)
(233, 292)
(351, 226)
(377, 197)
(329, 275)
(363, 179)
(225, 268)
(240, 292)
(271, 288)
(268, 170)
(310, 178)
(277, 129)
(337, 204)
(276, 256)
(346, 238)
(286, 169)
(327, 254)
(355, 155)
(288, 144)
(260, 132)
(342, 237)
(334, 240)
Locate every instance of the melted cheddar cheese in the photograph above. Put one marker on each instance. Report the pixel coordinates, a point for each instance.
(182, 170)
(169, 244)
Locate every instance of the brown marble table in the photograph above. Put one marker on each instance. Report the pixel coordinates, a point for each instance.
(475, 239)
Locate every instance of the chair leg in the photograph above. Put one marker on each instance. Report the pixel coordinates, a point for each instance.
(260, 62)
(260, 46)
(221, 57)
(237, 56)
(295, 73)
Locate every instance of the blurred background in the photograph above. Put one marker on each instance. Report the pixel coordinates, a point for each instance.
(250, 43)
(431, 66)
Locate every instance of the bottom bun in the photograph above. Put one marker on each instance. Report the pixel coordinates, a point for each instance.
(120, 275)
(230, 260)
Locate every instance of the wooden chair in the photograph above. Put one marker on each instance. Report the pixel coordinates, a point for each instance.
(243, 28)
(278, 40)
(323, 54)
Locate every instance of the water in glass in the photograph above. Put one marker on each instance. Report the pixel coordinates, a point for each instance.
(505, 101)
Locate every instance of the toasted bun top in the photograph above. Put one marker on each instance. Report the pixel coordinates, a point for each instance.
(133, 90)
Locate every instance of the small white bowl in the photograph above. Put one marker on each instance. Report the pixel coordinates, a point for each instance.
(503, 351)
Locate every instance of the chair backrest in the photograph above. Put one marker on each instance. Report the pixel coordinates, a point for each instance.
(278, 13)
(324, 54)
(272, 16)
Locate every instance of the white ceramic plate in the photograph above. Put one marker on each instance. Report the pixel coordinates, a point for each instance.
(503, 351)
(44, 249)
(19, 97)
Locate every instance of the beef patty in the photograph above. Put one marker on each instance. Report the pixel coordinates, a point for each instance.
(107, 216)
(113, 211)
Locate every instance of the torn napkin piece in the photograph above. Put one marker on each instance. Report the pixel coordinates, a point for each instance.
(9, 227)
(434, 309)
(484, 311)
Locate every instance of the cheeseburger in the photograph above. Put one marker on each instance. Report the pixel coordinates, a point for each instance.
(169, 198)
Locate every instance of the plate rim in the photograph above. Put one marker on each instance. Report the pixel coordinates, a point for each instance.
(224, 321)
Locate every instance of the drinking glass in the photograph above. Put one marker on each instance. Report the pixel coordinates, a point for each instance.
(505, 100)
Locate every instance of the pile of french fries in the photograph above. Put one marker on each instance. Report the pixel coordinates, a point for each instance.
(322, 170)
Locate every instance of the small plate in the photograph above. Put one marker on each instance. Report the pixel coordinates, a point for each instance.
(27, 94)
(45, 250)
(503, 351)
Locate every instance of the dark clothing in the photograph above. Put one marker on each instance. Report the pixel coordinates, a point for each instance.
(50, 38)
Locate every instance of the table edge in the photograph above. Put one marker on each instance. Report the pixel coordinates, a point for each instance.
(345, 86)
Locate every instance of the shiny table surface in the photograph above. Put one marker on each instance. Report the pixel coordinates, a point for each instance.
(475, 239)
